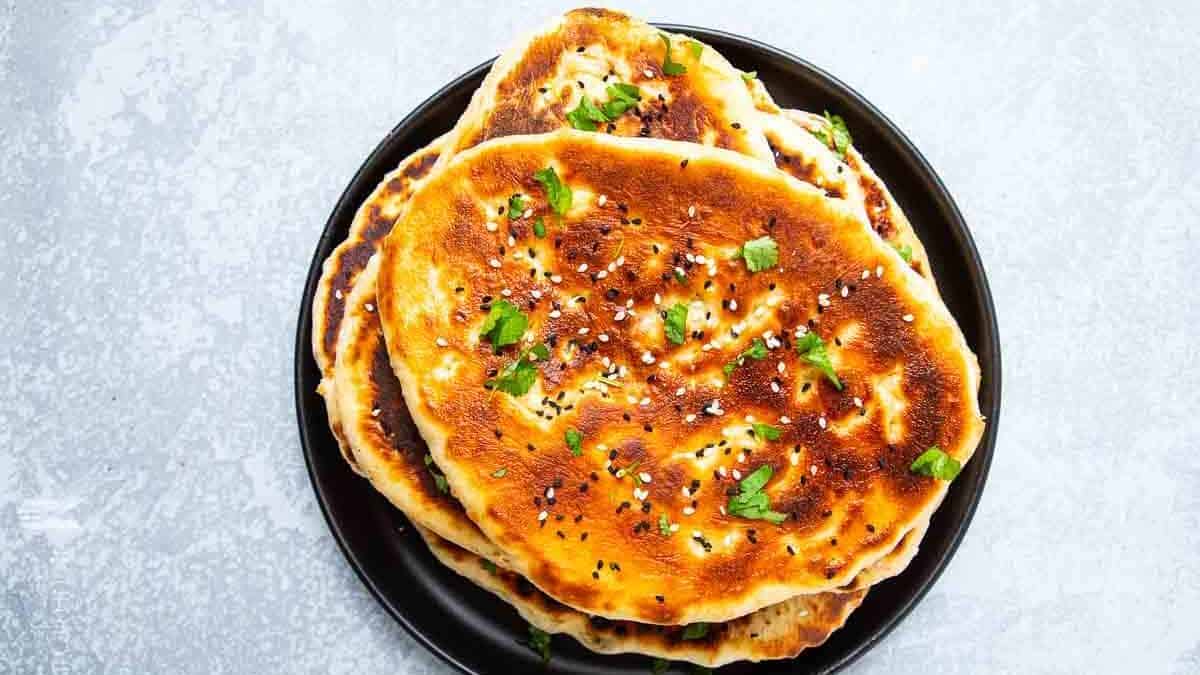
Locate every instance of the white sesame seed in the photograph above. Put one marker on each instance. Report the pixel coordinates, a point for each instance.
(657, 299)
(674, 527)
(369, 307)
(543, 515)
(492, 227)
(721, 470)
(603, 337)
(337, 294)
(537, 295)
(700, 260)
(737, 475)
(629, 305)
(375, 412)
(680, 391)
(813, 469)
(582, 268)
(821, 422)
(857, 402)
(620, 316)
(781, 368)
(687, 510)
(528, 212)
(602, 200)
(506, 293)
(550, 493)
(691, 212)
(511, 241)
(647, 358)
(775, 387)
(733, 305)
(644, 476)
(845, 291)
(441, 342)
(648, 73)
(907, 318)
(784, 419)
(879, 270)
(644, 401)
(690, 258)
(690, 418)
(556, 279)
(741, 458)
(584, 330)
(601, 274)
(620, 260)
(866, 273)
(494, 263)
(554, 314)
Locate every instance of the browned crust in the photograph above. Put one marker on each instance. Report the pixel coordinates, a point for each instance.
(862, 483)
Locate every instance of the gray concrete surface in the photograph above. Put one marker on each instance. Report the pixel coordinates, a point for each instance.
(165, 170)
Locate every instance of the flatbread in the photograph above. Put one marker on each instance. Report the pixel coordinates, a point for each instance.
(372, 222)
(776, 632)
(894, 345)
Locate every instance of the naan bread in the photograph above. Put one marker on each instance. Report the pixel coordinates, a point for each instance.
(893, 344)
(776, 632)
(371, 224)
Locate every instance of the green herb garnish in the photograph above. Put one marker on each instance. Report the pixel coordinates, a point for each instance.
(516, 207)
(586, 115)
(837, 136)
(905, 252)
(517, 378)
(812, 350)
(539, 641)
(500, 473)
(757, 351)
(670, 67)
(936, 464)
(750, 75)
(557, 193)
(574, 441)
(539, 228)
(438, 478)
(752, 503)
(694, 631)
(695, 47)
(622, 97)
(766, 431)
(760, 254)
(676, 323)
(488, 565)
(505, 324)
(664, 525)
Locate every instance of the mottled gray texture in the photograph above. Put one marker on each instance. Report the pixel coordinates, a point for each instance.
(165, 170)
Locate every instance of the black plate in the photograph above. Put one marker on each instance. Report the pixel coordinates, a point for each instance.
(477, 633)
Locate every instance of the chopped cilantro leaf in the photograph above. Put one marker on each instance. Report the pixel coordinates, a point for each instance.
(936, 464)
(694, 631)
(837, 136)
(622, 97)
(574, 441)
(676, 323)
(752, 503)
(812, 350)
(539, 228)
(750, 75)
(586, 115)
(500, 473)
(539, 641)
(757, 351)
(670, 67)
(680, 277)
(557, 193)
(516, 207)
(760, 254)
(766, 432)
(695, 47)
(905, 252)
(438, 478)
(517, 378)
(664, 525)
(488, 565)
(505, 324)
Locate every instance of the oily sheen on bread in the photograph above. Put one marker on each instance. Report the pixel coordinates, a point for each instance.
(594, 289)
(777, 631)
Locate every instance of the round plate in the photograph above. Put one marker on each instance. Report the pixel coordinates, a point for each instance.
(473, 630)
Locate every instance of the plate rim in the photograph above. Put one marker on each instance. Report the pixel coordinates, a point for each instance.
(989, 339)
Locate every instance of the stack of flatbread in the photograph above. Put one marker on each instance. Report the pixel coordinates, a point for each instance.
(683, 381)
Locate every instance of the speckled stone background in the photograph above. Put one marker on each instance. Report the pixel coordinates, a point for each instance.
(165, 171)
